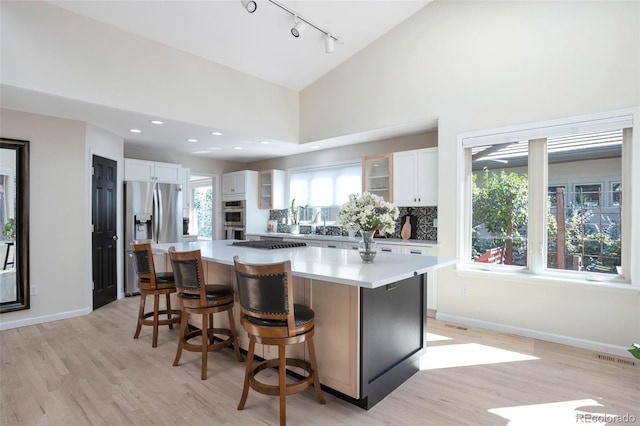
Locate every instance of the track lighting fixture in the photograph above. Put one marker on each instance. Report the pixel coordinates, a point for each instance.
(298, 26)
(300, 23)
(250, 5)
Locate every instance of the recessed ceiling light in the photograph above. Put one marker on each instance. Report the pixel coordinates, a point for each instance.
(135, 130)
(200, 152)
(264, 142)
(192, 140)
(156, 122)
(216, 133)
(315, 147)
(237, 147)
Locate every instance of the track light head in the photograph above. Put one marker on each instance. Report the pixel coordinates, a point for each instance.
(298, 27)
(250, 5)
(329, 45)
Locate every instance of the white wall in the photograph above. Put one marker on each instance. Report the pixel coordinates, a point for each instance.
(60, 252)
(48, 49)
(483, 65)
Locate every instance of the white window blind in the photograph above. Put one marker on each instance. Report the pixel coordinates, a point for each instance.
(325, 186)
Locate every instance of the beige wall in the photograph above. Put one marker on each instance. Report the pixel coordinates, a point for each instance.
(60, 251)
(351, 152)
(483, 65)
(63, 54)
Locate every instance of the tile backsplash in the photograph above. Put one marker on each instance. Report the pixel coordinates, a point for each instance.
(424, 220)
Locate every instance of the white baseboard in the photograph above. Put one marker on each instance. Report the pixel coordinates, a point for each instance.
(6, 325)
(541, 335)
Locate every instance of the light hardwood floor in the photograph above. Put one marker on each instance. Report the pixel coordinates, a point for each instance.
(90, 371)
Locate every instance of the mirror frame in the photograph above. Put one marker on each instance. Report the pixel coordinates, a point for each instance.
(22, 225)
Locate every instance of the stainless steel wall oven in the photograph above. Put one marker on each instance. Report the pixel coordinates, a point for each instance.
(234, 213)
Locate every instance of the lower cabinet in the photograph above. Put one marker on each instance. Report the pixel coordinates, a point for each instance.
(432, 277)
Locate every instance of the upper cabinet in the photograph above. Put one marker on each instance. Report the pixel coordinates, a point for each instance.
(377, 175)
(415, 177)
(271, 185)
(151, 171)
(240, 186)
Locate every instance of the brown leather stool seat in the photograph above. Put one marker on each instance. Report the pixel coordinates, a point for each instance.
(152, 283)
(271, 318)
(198, 298)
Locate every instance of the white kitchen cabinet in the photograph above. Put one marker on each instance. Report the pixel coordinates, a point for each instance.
(415, 177)
(185, 177)
(151, 171)
(432, 277)
(271, 184)
(377, 175)
(332, 244)
(240, 186)
(421, 250)
(388, 248)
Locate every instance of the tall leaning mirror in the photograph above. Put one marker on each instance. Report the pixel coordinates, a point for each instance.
(14, 225)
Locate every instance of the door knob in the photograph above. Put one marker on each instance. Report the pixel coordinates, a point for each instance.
(115, 238)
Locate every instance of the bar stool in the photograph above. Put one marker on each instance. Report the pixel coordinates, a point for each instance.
(152, 283)
(271, 318)
(198, 298)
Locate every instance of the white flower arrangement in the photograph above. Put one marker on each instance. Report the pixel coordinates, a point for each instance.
(368, 212)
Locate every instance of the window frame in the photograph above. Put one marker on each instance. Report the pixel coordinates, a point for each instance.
(621, 119)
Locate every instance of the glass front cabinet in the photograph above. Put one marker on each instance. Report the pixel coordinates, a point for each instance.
(377, 175)
(271, 189)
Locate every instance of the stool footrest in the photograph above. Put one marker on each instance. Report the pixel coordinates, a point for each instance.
(197, 347)
(175, 319)
(291, 388)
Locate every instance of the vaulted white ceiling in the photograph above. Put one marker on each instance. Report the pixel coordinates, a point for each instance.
(222, 31)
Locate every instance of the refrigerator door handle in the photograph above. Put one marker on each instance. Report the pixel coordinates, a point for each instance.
(159, 214)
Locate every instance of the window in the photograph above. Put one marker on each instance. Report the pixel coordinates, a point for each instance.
(587, 195)
(555, 192)
(515, 205)
(324, 189)
(201, 215)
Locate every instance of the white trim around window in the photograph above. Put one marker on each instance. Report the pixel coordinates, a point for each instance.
(608, 121)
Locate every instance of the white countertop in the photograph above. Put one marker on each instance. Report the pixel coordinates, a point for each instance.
(325, 264)
(322, 237)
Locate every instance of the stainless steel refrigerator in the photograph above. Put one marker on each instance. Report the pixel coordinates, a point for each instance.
(152, 212)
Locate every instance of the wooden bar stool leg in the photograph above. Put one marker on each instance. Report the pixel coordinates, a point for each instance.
(247, 372)
(183, 330)
(143, 298)
(282, 376)
(156, 308)
(205, 344)
(169, 310)
(314, 367)
(236, 344)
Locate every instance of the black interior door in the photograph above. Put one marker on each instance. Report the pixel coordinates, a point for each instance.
(104, 235)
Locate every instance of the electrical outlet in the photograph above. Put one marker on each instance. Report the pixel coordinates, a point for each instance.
(465, 291)
(435, 223)
(33, 290)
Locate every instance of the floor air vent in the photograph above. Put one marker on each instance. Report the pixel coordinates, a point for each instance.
(615, 360)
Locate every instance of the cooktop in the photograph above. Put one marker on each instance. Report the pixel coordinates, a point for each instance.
(269, 244)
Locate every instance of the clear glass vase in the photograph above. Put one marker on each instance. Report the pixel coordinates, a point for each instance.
(367, 247)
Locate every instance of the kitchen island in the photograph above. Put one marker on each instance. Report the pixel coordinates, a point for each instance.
(370, 319)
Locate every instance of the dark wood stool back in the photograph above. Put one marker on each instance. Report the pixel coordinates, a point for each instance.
(152, 283)
(198, 298)
(270, 317)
